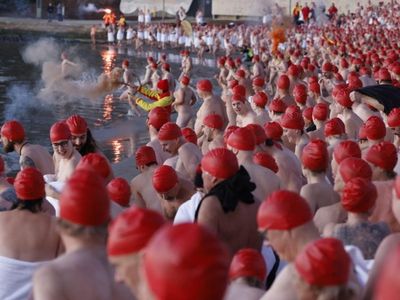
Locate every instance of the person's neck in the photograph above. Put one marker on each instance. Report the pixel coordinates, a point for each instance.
(374, 142)
(356, 218)
(303, 236)
(347, 112)
(18, 147)
(73, 244)
(319, 124)
(207, 97)
(283, 93)
(244, 156)
(301, 138)
(316, 178)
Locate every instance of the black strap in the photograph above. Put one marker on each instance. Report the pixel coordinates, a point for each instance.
(272, 275)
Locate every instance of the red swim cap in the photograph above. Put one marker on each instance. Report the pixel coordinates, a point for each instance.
(29, 184)
(119, 191)
(393, 118)
(145, 155)
(320, 112)
(315, 88)
(248, 262)
(242, 139)
(169, 131)
(163, 85)
(359, 195)
(200, 268)
(158, 116)
(283, 82)
(228, 131)
(265, 160)
(343, 98)
(327, 67)
(346, 149)
(213, 121)
(324, 262)
(258, 81)
(59, 132)
(77, 125)
(132, 230)
(13, 131)
(294, 70)
(220, 163)
(315, 156)
(258, 132)
(292, 120)
(232, 83)
(125, 62)
(260, 99)
(185, 80)
(204, 85)
(352, 167)
(277, 106)
(334, 126)
(97, 162)
(166, 66)
(382, 155)
(240, 73)
(283, 210)
(84, 200)
(375, 128)
(273, 131)
(164, 179)
(307, 113)
(189, 135)
(239, 90)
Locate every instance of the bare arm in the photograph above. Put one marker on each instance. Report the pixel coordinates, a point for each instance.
(209, 213)
(26, 162)
(47, 284)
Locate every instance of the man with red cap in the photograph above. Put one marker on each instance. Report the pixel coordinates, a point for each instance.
(244, 114)
(82, 138)
(247, 275)
(334, 132)
(186, 64)
(128, 80)
(257, 70)
(200, 268)
(259, 105)
(283, 90)
(358, 199)
(318, 192)
(243, 80)
(119, 192)
(166, 74)
(327, 80)
(226, 97)
(320, 115)
(228, 209)
(13, 139)
(28, 238)
(184, 100)
(128, 236)
(161, 97)
(213, 136)
(212, 104)
(155, 76)
(83, 222)
(185, 156)
(156, 118)
(242, 143)
(172, 190)
(144, 194)
(375, 130)
(323, 271)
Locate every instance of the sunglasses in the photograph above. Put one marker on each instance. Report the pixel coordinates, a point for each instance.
(61, 144)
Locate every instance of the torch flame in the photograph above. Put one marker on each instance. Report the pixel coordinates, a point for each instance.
(107, 11)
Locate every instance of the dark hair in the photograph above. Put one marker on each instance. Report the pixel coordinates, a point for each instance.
(34, 206)
(90, 146)
(198, 180)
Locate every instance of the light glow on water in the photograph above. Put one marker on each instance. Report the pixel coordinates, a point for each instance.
(108, 56)
(118, 150)
(108, 107)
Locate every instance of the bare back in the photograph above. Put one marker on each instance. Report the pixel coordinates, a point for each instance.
(38, 157)
(64, 167)
(143, 192)
(319, 195)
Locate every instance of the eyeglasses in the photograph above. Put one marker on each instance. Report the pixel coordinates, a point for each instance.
(61, 144)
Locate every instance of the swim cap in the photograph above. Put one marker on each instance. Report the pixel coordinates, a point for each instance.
(294, 70)
(283, 210)
(327, 67)
(240, 73)
(185, 80)
(393, 118)
(283, 82)
(239, 90)
(352, 167)
(220, 163)
(258, 81)
(346, 149)
(77, 125)
(84, 200)
(145, 155)
(221, 61)
(164, 179)
(292, 120)
(324, 262)
(384, 75)
(228, 131)
(29, 184)
(258, 132)
(387, 285)
(277, 106)
(213, 121)
(238, 98)
(375, 128)
(204, 85)
(273, 131)
(189, 135)
(169, 131)
(315, 156)
(248, 262)
(334, 126)
(265, 160)
(315, 88)
(163, 85)
(97, 162)
(343, 98)
(119, 191)
(59, 132)
(300, 94)
(125, 62)
(158, 116)
(260, 99)
(13, 131)
(242, 139)
(362, 132)
(320, 112)
(200, 268)
(382, 155)
(307, 113)
(132, 230)
(232, 83)
(166, 66)
(359, 195)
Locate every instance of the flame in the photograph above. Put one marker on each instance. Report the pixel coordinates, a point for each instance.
(107, 11)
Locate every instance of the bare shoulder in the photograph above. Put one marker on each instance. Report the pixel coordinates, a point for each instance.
(387, 245)
(211, 204)
(47, 283)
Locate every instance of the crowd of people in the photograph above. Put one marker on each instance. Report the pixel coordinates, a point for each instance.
(282, 186)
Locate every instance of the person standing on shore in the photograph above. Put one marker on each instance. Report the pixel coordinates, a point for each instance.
(50, 11)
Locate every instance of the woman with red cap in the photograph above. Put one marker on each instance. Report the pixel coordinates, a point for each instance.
(162, 97)
(28, 238)
(244, 114)
(184, 100)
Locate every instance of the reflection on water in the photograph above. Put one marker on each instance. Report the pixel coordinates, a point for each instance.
(108, 56)
(108, 107)
(118, 149)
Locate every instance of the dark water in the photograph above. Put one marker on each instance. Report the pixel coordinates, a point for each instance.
(20, 83)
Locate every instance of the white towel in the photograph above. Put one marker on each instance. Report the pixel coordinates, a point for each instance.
(16, 278)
